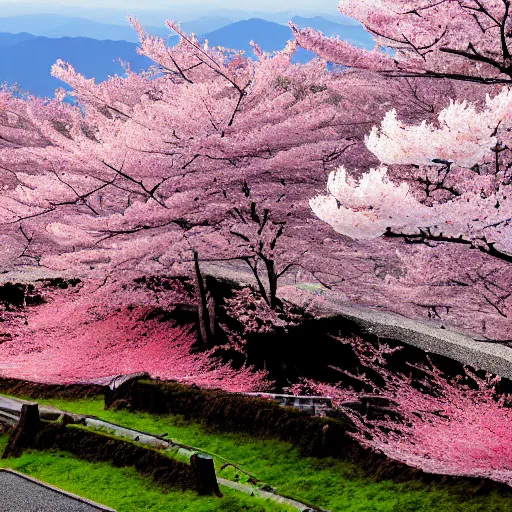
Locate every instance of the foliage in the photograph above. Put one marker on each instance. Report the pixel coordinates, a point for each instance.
(117, 180)
(458, 40)
(467, 207)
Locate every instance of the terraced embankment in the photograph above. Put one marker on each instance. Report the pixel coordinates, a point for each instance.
(332, 484)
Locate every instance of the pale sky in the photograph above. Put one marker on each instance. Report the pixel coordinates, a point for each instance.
(152, 12)
(263, 5)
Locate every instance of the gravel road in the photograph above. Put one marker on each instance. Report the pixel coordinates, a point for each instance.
(19, 493)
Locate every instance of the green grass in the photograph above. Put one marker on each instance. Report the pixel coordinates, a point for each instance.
(333, 484)
(123, 489)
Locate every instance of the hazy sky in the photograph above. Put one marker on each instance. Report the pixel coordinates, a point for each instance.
(264, 5)
(152, 12)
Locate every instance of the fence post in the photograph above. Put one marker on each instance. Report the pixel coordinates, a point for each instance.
(24, 432)
(205, 474)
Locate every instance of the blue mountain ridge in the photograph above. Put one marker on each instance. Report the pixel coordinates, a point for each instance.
(11, 39)
(268, 35)
(26, 59)
(55, 26)
(273, 36)
(28, 62)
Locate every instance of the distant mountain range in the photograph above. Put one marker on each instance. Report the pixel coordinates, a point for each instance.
(55, 26)
(205, 24)
(27, 58)
(268, 35)
(179, 11)
(273, 36)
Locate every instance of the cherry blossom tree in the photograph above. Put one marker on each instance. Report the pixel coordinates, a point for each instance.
(447, 179)
(145, 160)
(144, 157)
(442, 187)
(467, 40)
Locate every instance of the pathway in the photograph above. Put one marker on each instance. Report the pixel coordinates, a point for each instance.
(20, 493)
(460, 346)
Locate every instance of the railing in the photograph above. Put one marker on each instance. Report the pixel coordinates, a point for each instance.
(315, 405)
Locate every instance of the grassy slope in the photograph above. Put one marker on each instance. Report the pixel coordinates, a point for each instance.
(122, 488)
(328, 483)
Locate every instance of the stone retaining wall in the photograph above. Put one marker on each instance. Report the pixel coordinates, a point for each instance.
(234, 412)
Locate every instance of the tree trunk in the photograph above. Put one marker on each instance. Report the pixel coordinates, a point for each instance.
(210, 306)
(205, 307)
(272, 284)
